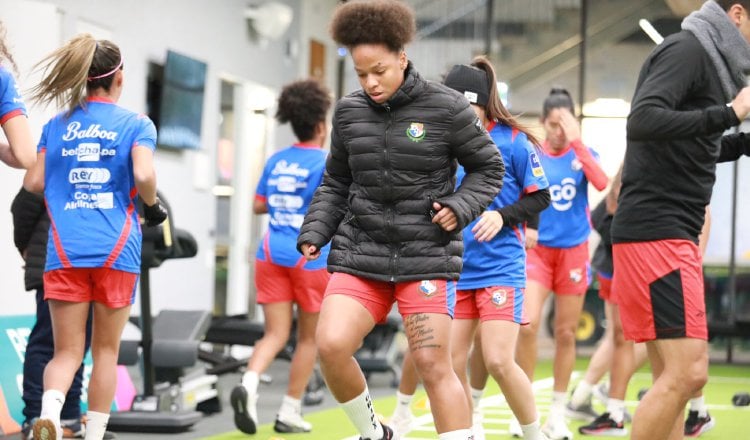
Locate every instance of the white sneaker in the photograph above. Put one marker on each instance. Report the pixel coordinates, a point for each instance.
(557, 429)
(477, 428)
(601, 392)
(514, 428)
(402, 423)
(245, 409)
(291, 424)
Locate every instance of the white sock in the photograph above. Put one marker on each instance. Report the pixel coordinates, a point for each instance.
(459, 434)
(476, 398)
(699, 404)
(52, 403)
(581, 394)
(290, 406)
(96, 425)
(557, 407)
(250, 381)
(403, 404)
(362, 415)
(532, 431)
(616, 409)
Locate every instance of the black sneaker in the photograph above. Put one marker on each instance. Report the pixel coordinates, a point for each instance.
(695, 425)
(604, 426)
(244, 417)
(388, 434)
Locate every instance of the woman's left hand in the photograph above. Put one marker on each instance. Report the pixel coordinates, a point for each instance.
(489, 224)
(444, 217)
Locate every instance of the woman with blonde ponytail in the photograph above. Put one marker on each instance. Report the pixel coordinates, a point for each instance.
(18, 152)
(93, 162)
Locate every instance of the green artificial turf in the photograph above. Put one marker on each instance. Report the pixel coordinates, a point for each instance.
(725, 380)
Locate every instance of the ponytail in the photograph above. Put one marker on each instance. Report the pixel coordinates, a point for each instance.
(74, 70)
(495, 110)
(4, 52)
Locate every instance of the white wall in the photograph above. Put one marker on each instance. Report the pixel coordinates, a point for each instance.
(214, 32)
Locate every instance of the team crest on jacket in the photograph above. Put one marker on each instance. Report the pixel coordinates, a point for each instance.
(416, 131)
(499, 297)
(427, 288)
(576, 275)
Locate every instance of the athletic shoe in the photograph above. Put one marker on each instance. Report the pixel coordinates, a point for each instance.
(514, 428)
(557, 429)
(44, 429)
(388, 434)
(402, 423)
(291, 424)
(601, 393)
(584, 413)
(695, 425)
(245, 410)
(604, 426)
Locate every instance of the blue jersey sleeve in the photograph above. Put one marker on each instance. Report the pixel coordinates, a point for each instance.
(146, 136)
(43, 138)
(534, 178)
(11, 103)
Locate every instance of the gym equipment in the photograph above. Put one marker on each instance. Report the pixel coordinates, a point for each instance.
(741, 399)
(379, 352)
(239, 330)
(168, 344)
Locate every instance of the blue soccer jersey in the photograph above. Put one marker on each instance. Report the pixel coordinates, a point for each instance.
(566, 222)
(502, 260)
(89, 186)
(11, 103)
(290, 178)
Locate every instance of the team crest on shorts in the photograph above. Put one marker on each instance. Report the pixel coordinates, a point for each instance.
(499, 297)
(427, 288)
(416, 131)
(576, 275)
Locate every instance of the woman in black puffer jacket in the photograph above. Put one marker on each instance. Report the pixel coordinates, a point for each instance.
(389, 204)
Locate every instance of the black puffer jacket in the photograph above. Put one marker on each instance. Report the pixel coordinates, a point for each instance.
(30, 231)
(388, 164)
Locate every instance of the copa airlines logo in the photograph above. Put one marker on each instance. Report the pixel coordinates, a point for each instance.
(89, 175)
(562, 195)
(88, 152)
(85, 200)
(93, 131)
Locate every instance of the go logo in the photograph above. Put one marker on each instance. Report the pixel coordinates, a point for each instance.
(562, 195)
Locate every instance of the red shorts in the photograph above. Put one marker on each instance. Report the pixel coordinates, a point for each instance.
(660, 292)
(276, 284)
(428, 296)
(497, 303)
(111, 287)
(605, 288)
(565, 271)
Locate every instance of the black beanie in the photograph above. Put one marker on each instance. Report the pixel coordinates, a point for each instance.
(471, 82)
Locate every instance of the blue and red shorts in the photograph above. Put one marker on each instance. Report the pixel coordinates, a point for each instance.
(497, 303)
(111, 287)
(426, 296)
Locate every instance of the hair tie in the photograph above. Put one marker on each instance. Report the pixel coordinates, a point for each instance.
(104, 75)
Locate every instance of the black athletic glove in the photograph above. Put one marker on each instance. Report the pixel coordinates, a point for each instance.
(154, 214)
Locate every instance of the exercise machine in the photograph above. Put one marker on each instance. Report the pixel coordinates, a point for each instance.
(168, 345)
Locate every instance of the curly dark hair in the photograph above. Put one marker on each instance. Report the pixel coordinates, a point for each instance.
(304, 103)
(388, 22)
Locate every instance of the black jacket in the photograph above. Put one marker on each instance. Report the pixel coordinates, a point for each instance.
(388, 164)
(30, 231)
(674, 133)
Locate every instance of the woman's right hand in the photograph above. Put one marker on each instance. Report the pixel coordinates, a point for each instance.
(310, 251)
(569, 125)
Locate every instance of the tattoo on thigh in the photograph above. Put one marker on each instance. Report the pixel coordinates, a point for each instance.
(419, 332)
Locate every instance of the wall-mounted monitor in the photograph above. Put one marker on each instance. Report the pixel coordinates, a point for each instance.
(181, 107)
